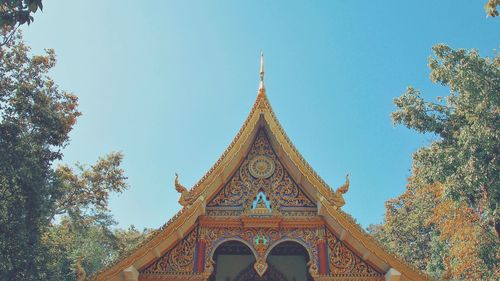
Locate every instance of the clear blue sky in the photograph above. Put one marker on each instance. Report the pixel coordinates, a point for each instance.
(170, 83)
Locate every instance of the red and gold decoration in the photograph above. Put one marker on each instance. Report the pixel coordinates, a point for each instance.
(178, 260)
(263, 194)
(240, 211)
(261, 172)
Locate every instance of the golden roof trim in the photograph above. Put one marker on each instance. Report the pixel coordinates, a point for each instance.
(145, 247)
(374, 246)
(205, 188)
(197, 190)
(325, 189)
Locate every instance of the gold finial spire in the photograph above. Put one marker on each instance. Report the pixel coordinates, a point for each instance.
(261, 85)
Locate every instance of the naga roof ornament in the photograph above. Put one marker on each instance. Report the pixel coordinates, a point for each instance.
(186, 198)
(336, 197)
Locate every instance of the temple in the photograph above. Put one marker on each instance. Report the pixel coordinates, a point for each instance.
(260, 213)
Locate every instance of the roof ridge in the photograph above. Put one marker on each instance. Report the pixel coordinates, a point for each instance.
(194, 189)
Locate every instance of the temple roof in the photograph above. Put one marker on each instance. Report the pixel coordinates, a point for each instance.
(329, 202)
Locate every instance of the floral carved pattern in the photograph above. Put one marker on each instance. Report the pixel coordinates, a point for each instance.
(307, 237)
(178, 260)
(283, 193)
(343, 262)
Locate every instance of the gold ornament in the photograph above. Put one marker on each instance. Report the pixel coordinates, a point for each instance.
(186, 197)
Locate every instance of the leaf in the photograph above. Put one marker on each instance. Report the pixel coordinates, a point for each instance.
(33, 7)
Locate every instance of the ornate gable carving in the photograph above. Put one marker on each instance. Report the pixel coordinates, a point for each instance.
(190, 257)
(343, 262)
(178, 260)
(261, 171)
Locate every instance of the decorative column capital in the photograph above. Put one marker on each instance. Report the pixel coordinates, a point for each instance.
(202, 232)
(322, 251)
(321, 234)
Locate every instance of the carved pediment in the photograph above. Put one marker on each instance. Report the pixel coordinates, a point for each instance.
(343, 262)
(221, 209)
(181, 260)
(177, 261)
(261, 171)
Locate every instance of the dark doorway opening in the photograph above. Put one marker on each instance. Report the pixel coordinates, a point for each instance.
(231, 258)
(291, 259)
(287, 261)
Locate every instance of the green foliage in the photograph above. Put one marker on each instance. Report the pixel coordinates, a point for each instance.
(82, 249)
(14, 12)
(406, 229)
(35, 119)
(447, 221)
(54, 222)
(89, 190)
(464, 157)
(83, 238)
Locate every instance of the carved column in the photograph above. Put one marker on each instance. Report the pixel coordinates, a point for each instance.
(322, 252)
(200, 254)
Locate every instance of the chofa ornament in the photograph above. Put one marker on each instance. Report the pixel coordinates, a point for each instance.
(186, 197)
(336, 197)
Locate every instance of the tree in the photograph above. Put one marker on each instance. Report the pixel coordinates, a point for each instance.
(77, 250)
(471, 250)
(54, 222)
(86, 193)
(407, 229)
(450, 207)
(83, 237)
(35, 119)
(467, 126)
(14, 13)
(491, 8)
(18, 12)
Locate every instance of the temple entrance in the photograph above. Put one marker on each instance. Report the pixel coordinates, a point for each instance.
(291, 259)
(234, 261)
(231, 258)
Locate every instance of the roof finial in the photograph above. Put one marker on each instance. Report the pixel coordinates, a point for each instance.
(261, 86)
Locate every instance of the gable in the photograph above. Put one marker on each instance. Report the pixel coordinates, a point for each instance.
(221, 206)
(344, 262)
(178, 260)
(261, 171)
